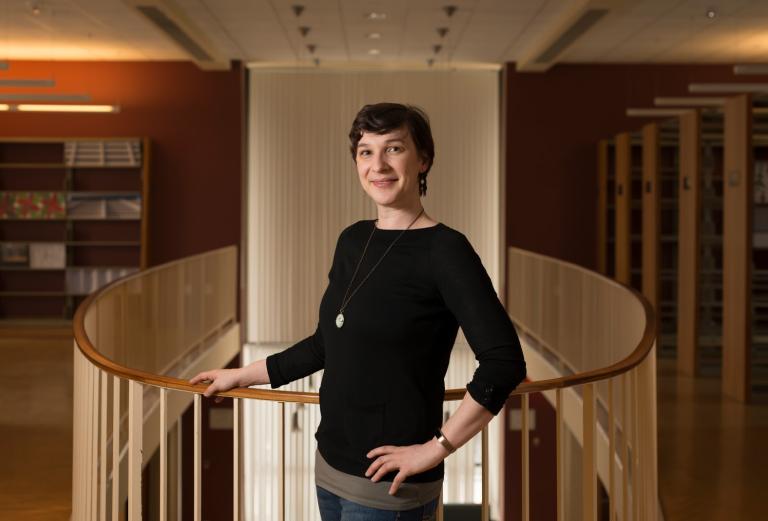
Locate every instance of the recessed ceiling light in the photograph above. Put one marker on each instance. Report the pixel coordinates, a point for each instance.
(374, 36)
(373, 15)
(374, 52)
(711, 13)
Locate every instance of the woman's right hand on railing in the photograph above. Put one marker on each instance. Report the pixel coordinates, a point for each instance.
(225, 379)
(221, 380)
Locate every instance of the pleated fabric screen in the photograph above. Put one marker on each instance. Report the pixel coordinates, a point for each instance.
(303, 190)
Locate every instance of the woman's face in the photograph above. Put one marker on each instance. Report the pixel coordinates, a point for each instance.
(388, 166)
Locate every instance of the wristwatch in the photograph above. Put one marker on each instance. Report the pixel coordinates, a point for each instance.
(442, 440)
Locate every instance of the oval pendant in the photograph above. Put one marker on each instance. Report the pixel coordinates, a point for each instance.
(339, 320)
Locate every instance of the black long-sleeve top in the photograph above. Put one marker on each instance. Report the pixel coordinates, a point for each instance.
(384, 370)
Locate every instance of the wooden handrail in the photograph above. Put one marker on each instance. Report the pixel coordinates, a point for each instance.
(91, 353)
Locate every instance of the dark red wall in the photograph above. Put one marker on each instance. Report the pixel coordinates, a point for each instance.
(194, 120)
(554, 122)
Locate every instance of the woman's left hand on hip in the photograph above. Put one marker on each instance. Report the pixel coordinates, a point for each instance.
(409, 460)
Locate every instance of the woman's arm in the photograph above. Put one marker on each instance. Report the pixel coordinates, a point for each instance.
(468, 293)
(468, 420)
(226, 379)
(464, 423)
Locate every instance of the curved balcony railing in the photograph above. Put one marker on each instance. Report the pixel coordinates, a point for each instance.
(589, 345)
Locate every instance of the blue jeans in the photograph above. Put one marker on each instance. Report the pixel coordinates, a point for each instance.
(335, 508)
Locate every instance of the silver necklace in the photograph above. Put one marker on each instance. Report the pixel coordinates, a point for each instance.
(345, 301)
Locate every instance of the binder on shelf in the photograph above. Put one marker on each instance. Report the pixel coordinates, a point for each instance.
(14, 254)
(111, 153)
(124, 206)
(86, 280)
(761, 182)
(86, 206)
(32, 205)
(47, 255)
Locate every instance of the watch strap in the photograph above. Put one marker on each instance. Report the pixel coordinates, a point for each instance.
(442, 440)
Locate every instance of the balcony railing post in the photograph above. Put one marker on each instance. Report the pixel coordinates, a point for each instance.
(135, 442)
(163, 453)
(589, 468)
(611, 454)
(236, 406)
(636, 467)
(104, 408)
(281, 448)
(115, 448)
(197, 435)
(485, 513)
(625, 462)
(525, 451)
(559, 455)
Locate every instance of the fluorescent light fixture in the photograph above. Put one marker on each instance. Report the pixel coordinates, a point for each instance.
(35, 107)
(656, 113)
(374, 52)
(27, 83)
(4, 107)
(735, 88)
(45, 98)
(376, 16)
(751, 68)
(689, 101)
(374, 36)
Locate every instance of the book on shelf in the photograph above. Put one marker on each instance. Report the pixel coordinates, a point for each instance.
(761, 182)
(124, 206)
(47, 255)
(86, 206)
(32, 205)
(83, 280)
(14, 254)
(104, 206)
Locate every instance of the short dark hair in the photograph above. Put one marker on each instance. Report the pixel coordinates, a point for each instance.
(381, 118)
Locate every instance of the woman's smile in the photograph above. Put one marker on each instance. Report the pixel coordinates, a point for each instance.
(384, 184)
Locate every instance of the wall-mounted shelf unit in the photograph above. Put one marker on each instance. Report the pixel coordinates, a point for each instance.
(73, 217)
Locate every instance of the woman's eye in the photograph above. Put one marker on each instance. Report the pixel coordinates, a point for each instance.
(395, 149)
(363, 153)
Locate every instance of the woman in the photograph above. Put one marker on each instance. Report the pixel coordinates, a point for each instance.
(399, 288)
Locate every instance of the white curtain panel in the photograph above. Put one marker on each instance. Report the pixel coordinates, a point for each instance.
(302, 190)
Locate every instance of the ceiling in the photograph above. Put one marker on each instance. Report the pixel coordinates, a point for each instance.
(487, 31)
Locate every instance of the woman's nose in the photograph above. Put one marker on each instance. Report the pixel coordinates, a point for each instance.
(379, 163)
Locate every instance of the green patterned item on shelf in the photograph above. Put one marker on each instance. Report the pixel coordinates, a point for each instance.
(33, 205)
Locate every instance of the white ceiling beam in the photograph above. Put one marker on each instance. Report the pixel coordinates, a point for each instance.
(655, 112)
(172, 22)
(751, 68)
(575, 21)
(689, 101)
(729, 88)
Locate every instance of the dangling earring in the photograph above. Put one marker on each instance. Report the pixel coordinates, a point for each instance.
(422, 184)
